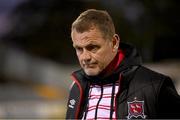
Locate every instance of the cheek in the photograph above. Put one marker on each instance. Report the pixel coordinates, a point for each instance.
(79, 59)
(105, 58)
(101, 59)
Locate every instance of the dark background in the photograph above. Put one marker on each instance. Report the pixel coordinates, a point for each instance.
(42, 27)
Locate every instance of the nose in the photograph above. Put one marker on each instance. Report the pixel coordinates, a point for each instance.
(86, 56)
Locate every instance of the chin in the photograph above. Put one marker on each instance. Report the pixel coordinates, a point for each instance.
(91, 72)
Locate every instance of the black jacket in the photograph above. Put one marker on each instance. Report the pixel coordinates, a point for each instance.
(143, 93)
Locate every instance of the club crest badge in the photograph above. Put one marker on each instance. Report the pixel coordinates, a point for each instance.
(136, 109)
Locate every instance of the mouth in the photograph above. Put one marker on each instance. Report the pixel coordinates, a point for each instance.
(91, 65)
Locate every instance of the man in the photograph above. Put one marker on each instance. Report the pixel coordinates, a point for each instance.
(112, 83)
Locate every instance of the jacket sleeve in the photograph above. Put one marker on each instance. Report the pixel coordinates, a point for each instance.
(168, 100)
(70, 113)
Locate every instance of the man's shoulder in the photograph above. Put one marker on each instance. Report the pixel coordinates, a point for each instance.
(145, 76)
(150, 73)
(78, 73)
(146, 79)
(79, 77)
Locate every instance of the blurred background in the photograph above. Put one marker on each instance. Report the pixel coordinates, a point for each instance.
(37, 58)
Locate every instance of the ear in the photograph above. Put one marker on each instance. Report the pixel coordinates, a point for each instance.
(115, 42)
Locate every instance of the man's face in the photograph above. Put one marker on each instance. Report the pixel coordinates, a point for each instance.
(93, 51)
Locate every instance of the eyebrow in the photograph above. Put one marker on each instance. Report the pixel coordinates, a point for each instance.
(90, 43)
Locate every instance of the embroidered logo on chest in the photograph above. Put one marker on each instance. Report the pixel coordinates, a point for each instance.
(136, 109)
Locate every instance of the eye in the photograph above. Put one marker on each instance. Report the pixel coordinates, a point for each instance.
(78, 50)
(92, 48)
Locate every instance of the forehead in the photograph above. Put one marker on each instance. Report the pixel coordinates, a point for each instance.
(93, 36)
